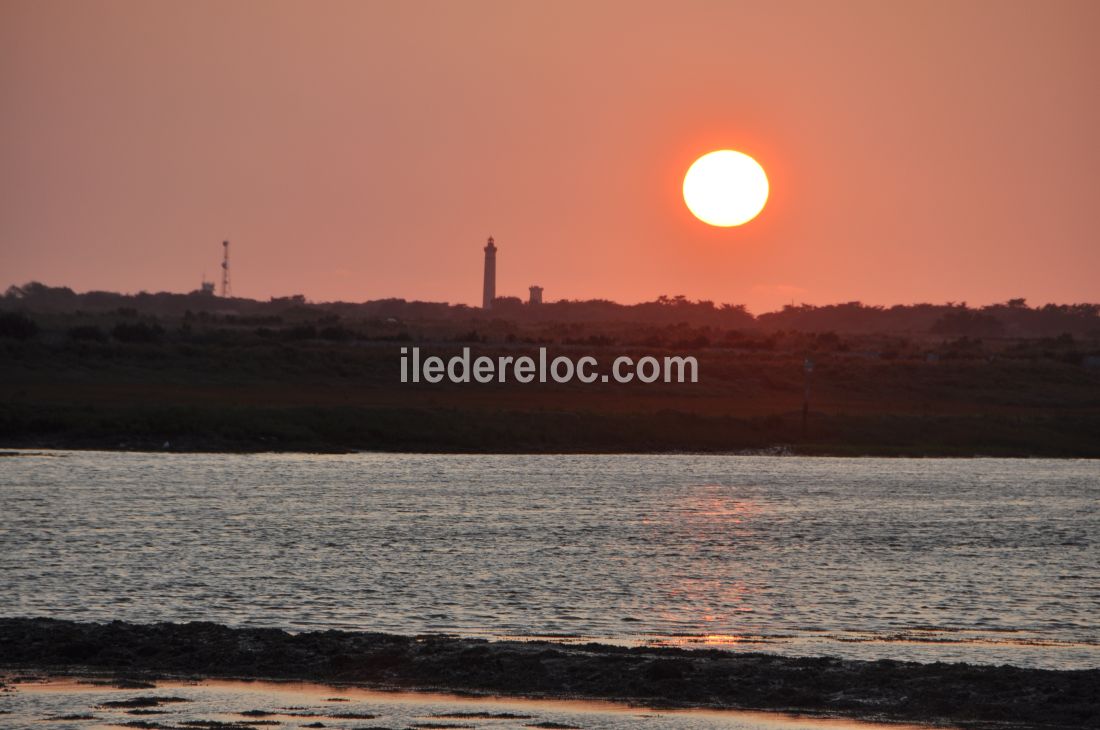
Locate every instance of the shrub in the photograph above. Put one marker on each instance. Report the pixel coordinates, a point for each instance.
(137, 332)
(17, 326)
(301, 332)
(336, 334)
(89, 332)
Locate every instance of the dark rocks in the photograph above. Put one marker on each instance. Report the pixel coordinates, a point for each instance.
(120, 683)
(482, 716)
(144, 702)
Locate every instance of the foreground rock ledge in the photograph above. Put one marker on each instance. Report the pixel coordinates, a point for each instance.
(959, 694)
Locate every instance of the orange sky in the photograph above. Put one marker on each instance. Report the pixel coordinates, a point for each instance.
(917, 151)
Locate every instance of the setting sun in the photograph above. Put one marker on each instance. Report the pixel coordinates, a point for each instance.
(725, 188)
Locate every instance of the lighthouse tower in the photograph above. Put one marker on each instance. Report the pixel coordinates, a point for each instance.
(489, 291)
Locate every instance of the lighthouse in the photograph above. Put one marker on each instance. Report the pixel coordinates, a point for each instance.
(489, 290)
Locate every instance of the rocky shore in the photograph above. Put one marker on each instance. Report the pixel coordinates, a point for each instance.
(957, 694)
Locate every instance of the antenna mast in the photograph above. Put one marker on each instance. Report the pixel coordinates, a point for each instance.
(226, 289)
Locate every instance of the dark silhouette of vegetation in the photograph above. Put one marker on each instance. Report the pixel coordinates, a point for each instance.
(17, 326)
(88, 332)
(1013, 318)
(336, 334)
(966, 322)
(200, 372)
(137, 332)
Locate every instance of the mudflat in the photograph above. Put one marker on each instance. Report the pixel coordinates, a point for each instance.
(959, 694)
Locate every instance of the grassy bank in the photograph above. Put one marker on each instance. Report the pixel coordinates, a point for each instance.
(222, 385)
(444, 429)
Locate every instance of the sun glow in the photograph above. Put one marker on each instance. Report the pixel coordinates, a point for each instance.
(725, 188)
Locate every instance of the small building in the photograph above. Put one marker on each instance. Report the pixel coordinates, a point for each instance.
(535, 295)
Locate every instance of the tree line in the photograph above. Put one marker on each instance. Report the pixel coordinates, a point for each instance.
(1013, 318)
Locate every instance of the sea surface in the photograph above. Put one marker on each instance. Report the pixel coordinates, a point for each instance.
(976, 560)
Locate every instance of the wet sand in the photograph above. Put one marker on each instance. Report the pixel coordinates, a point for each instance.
(956, 694)
(89, 704)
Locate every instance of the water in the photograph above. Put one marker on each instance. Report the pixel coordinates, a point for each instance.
(292, 704)
(979, 560)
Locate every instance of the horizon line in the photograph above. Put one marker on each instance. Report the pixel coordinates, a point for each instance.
(1010, 303)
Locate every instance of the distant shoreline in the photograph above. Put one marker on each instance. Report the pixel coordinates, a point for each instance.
(302, 379)
(208, 428)
(959, 694)
(781, 451)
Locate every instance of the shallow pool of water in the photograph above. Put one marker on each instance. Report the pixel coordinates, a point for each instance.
(190, 705)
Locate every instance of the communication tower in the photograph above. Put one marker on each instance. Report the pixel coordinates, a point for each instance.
(226, 289)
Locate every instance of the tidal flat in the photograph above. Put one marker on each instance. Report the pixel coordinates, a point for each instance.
(959, 695)
(84, 703)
